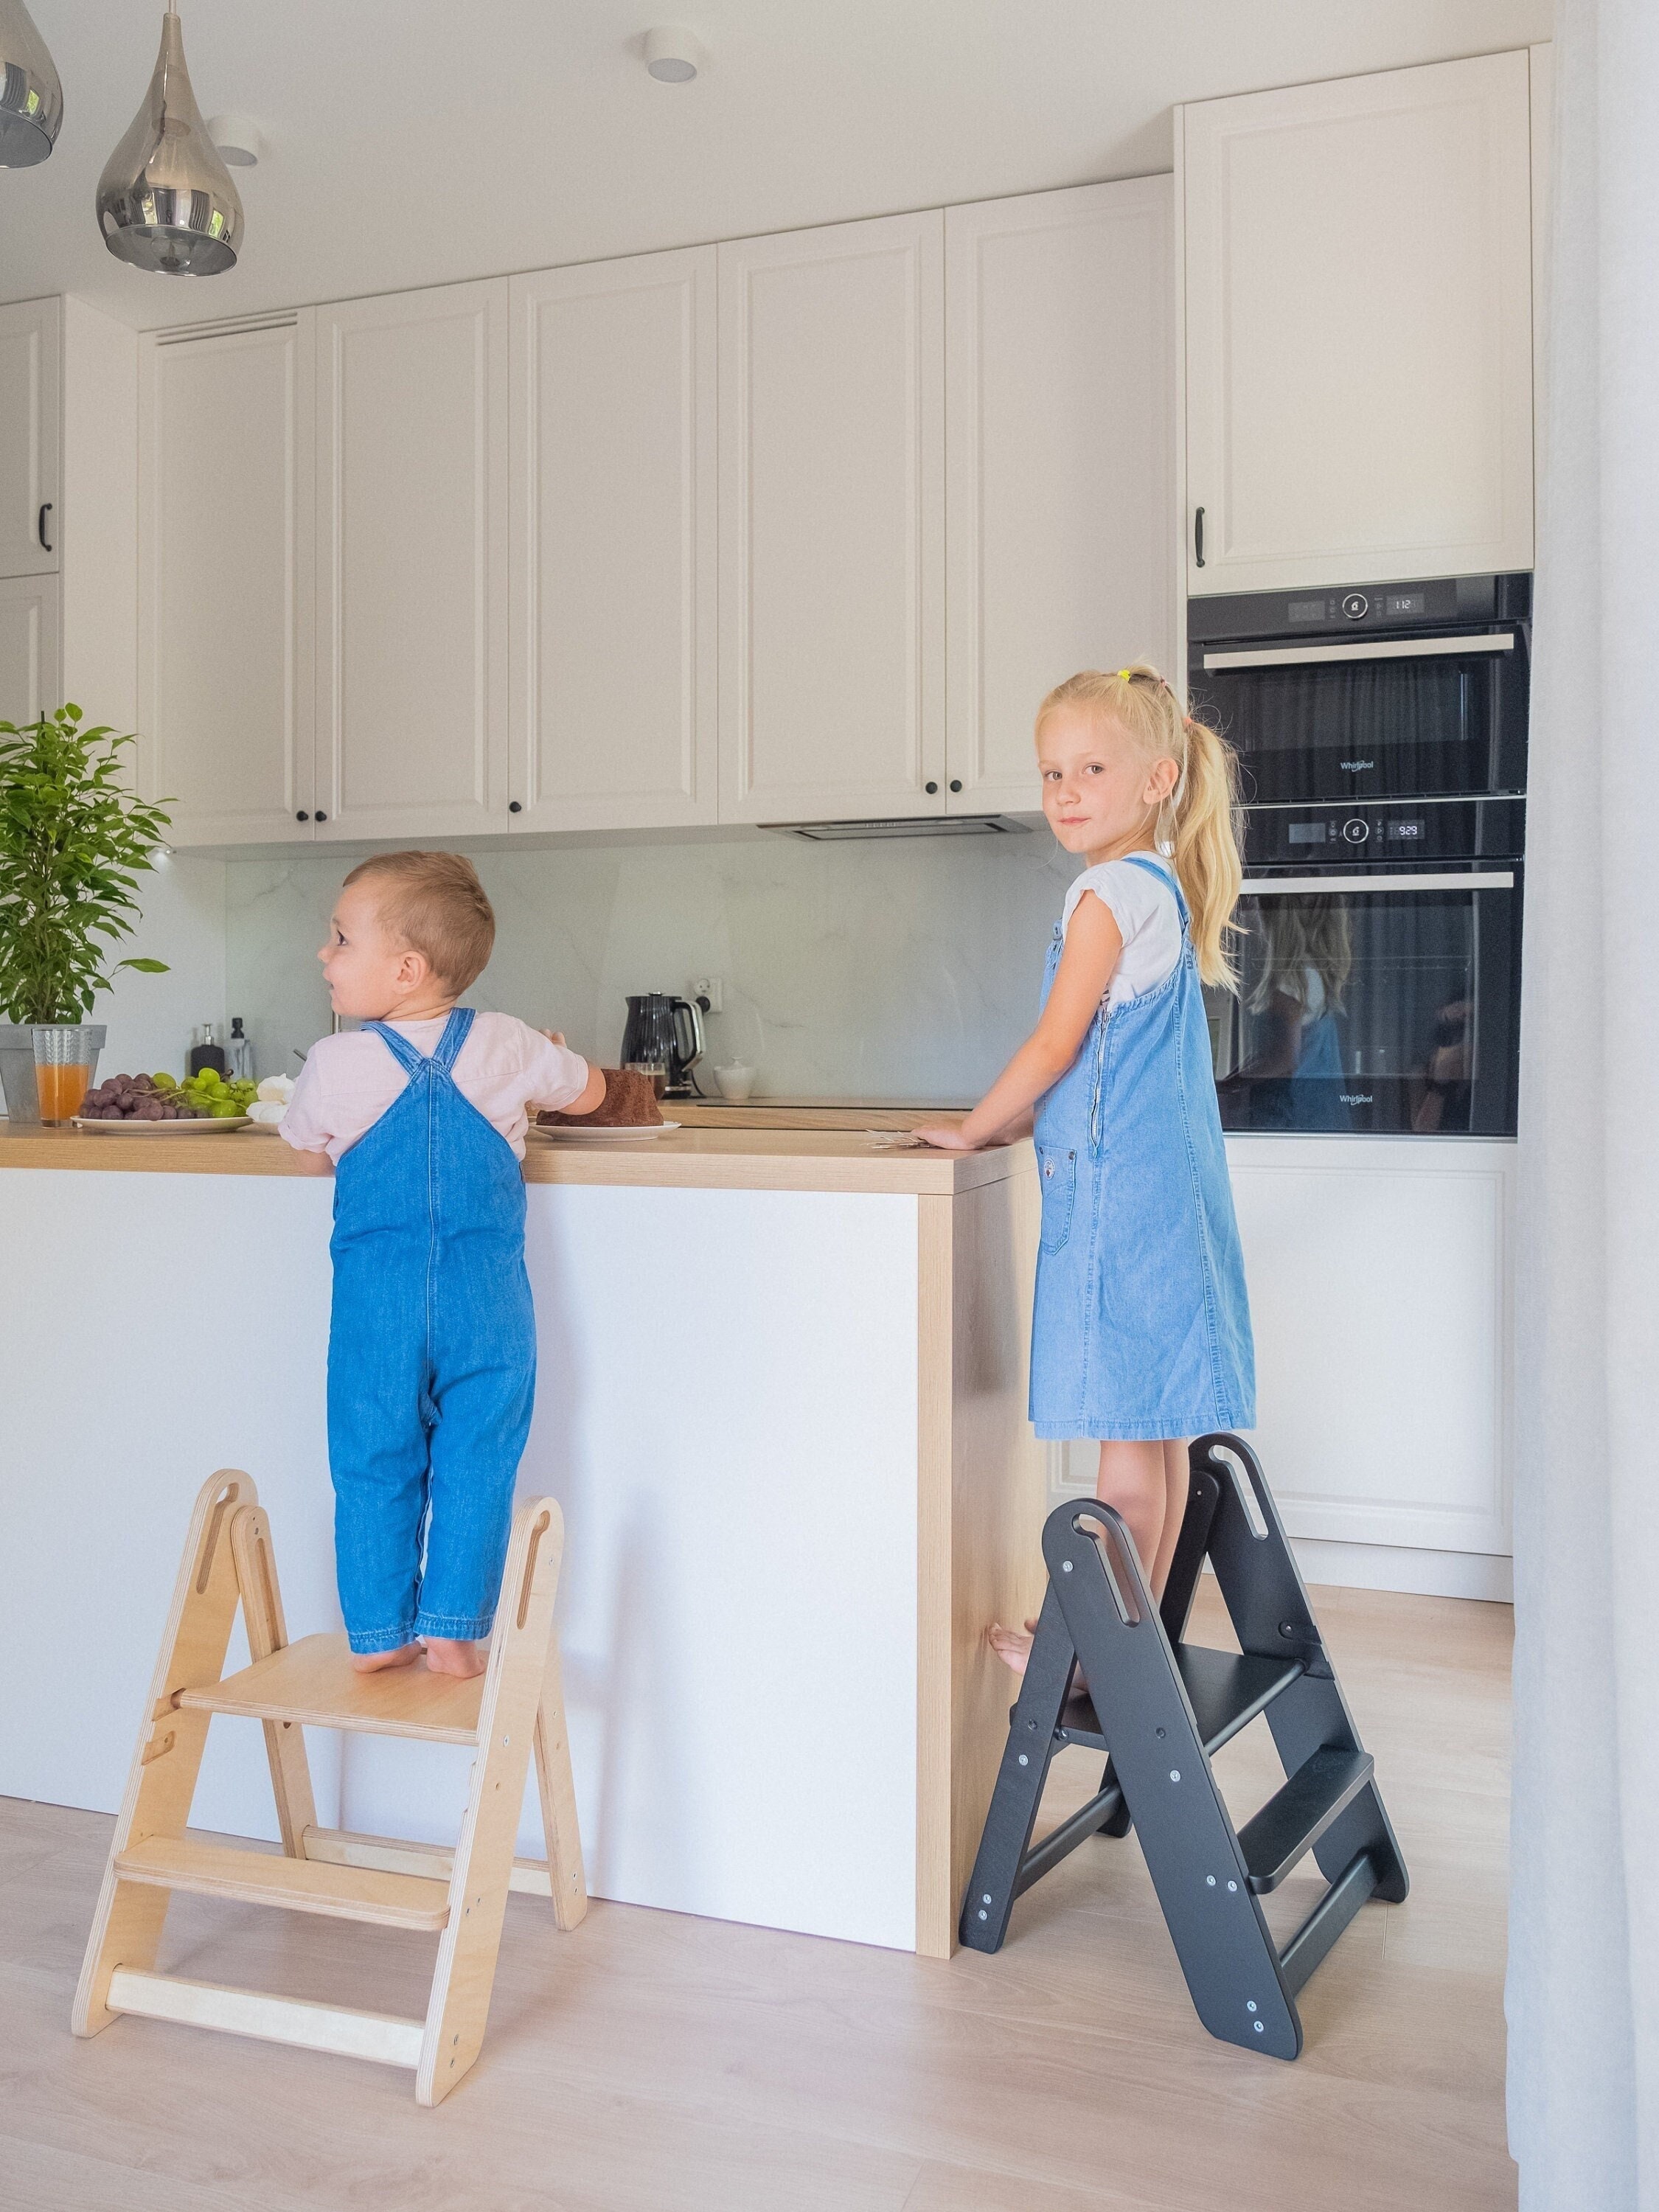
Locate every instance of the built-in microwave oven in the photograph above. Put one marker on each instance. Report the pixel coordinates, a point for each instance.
(1414, 689)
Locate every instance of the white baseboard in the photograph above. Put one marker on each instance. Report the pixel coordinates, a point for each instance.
(1402, 1567)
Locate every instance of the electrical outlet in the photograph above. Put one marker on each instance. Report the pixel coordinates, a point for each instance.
(709, 988)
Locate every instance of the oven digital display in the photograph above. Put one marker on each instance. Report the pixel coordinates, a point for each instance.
(1405, 833)
(1301, 611)
(1408, 602)
(1307, 833)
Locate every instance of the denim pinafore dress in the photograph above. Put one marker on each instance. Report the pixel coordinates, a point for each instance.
(1141, 1326)
(431, 1358)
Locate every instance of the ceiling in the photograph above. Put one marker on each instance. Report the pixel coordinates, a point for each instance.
(417, 142)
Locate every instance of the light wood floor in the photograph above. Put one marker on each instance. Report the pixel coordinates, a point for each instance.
(677, 2065)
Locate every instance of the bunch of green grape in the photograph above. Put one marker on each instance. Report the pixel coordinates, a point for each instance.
(209, 1096)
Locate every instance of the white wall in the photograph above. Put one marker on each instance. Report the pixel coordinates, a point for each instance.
(907, 970)
(150, 1018)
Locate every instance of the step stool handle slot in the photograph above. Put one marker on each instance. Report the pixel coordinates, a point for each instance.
(1109, 1543)
(527, 1587)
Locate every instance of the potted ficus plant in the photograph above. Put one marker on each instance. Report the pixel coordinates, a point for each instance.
(74, 841)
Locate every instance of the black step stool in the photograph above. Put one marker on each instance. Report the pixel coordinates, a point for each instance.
(1161, 1707)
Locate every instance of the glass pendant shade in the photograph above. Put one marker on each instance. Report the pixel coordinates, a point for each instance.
(164, 200)
(31, 97)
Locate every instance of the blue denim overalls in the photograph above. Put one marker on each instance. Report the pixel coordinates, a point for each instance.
(431, 1358)
(1141, 1326)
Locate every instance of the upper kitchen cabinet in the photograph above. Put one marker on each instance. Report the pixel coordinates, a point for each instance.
(1359, 337)
(832, 523)
(614, 642)
(225, 570)
(30, 646)
(31, 397)
(1059, 379)
(411, 475)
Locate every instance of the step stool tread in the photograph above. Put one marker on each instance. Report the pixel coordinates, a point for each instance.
(343, 1893)
(1225, 1689)
(1292, 1821)
(313, 1681)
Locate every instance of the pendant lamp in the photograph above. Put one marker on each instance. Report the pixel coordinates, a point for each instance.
(31, 96)
(164, 200)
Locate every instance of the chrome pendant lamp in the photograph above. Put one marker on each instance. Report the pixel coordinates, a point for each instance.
(31, 96)
(164, 200)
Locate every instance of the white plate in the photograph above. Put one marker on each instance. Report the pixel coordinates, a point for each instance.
(568, 1132)
(204, 1127)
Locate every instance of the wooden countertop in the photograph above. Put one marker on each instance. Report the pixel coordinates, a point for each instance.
(688, 1159)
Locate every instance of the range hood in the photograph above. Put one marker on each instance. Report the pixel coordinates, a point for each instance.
(909, 825)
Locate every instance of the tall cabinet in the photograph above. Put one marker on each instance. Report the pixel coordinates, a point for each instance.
(225, 556)
(411, 478)
(832, 522)
(31, 398)
(1359, 329)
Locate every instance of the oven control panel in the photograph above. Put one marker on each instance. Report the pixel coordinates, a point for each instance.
(1420, 829)
(1342, 611)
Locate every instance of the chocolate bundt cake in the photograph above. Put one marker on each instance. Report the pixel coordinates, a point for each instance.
(630, 1102)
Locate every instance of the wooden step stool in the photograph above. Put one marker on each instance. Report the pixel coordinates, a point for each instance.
(460, 1895)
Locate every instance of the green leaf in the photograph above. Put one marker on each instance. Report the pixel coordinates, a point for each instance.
(146, 967)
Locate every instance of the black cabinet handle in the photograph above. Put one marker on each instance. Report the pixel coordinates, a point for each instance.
(1197, 539)
(302, 815)
(513, 808)
(321, 816)
(955, 783)
(930, 788)
(40, 526)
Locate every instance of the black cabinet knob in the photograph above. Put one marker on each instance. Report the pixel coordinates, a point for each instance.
(955, 783)
(513, 808)
(321, 816)
(302, 815)
(930, 788)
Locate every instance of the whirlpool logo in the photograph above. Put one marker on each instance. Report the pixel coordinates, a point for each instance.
(1354, 767)
(1357, 1098)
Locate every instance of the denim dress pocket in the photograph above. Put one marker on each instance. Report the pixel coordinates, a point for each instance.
(1057, 1166)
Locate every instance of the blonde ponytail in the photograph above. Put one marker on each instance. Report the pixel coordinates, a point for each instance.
(1197, 827)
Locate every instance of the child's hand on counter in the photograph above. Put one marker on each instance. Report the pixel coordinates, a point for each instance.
(944, 1137)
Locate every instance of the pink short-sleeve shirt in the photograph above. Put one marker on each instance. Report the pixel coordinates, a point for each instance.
(507, 1069)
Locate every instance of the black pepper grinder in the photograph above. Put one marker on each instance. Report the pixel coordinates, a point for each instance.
(206, 1051)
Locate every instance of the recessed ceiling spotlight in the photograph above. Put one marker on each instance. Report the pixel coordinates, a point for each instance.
(240, 142)
(673, 56)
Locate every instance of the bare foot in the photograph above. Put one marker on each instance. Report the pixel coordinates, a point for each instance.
(444, 1657)
(1012, 1648)
(372, 1663)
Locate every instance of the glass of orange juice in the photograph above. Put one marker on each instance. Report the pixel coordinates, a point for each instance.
(64, 1055)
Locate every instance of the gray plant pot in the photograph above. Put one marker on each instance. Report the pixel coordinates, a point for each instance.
(17, 1067)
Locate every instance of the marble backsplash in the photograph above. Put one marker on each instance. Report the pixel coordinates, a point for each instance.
(902, 970)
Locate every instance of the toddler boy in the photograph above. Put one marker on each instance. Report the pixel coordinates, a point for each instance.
(421, 1115)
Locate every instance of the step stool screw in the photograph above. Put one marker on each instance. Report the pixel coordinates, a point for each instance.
(1023, 1760)
(1209, 1881)
(1249, 2004)
(1174, 1774)
(1232, 1885)
(1065, 1566)
(984, 1916)
(1260, 2028)
(1161, 1735)
(985, 1898)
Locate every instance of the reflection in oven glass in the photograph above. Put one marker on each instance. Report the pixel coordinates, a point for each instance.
(1354, 1013)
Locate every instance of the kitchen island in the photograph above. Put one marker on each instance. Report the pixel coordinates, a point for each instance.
(781, 1400)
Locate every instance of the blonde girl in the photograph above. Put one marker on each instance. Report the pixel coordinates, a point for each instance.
(1141, 1333)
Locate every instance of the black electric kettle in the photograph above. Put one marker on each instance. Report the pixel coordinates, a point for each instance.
(665, 1032)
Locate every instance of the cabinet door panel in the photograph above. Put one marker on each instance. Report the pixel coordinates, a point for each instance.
(225, 576)
(31, 400)
(614, 545)
(411, 502)
(1358, 328)
(832, 522)
(1062, 457)
(30, 647)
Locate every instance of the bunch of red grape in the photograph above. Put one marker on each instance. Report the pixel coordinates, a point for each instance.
(134, 1098)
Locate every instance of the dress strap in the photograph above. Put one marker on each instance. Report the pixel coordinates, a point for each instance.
(1167, 877)
(399, 1047)
(456, 1031)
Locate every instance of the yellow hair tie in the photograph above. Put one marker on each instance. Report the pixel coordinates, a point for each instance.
(1124, 675)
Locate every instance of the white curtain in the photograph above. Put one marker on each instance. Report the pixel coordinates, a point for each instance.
(1583, 1981)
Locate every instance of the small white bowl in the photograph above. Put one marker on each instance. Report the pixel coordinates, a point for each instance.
(735, 1082)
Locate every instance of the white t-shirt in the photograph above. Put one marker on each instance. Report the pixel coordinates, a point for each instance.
(1144, 907)
(505, 1068)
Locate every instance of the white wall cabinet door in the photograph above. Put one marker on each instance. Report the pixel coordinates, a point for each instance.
(31, 402)
(615, 647)
(1059, 376)
(412, 555)
(832, 515)
(31, 646)
(224, 533)
(1358, 341)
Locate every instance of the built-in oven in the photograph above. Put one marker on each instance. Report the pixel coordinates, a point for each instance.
(1380, 955)
(1415, 690)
